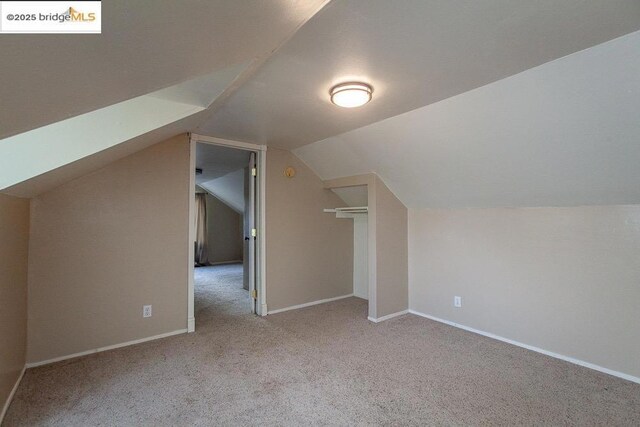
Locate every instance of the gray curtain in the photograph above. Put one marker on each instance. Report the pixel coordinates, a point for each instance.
(201, 255)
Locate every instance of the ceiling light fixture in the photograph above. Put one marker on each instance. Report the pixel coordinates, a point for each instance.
(350, 95)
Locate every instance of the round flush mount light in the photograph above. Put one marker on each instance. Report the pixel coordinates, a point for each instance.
(351, 95)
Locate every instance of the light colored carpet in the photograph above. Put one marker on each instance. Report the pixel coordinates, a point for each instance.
(323, 365)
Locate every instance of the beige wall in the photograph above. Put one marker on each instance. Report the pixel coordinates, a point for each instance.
(566, 280)
(224, 227)
(104, 245)
(309, 252)
(391, 251)
(14, 240)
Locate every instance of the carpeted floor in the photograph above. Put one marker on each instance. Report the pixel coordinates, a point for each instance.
(322, 365)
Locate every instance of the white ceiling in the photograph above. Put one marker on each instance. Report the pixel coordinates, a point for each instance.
(86, 73)
(56, 177)
(413, 52)
(563, 134)
(447, 125)
(222, 173)
(66, 144)
(216, 161)
(355, 196)
(229, 189)
(144, 47)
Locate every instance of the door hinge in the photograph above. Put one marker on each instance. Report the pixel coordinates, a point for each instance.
(254, 294)
(254, 232)
(254, 171)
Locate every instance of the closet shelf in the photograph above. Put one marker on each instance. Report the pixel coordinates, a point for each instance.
(346, 212)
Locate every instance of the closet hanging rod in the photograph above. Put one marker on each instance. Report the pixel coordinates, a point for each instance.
(349, 209)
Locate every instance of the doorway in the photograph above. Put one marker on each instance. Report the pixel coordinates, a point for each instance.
(226, 229)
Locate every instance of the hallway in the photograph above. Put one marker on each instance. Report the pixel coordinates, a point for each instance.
(219, 294)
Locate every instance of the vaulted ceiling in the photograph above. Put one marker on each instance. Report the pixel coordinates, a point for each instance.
(566, 133)
(413, 52)
(222, 173)
(57, 90)
(492, 103)
(144, 47)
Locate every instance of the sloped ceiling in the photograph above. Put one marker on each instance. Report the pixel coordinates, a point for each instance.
(452, 123)
(229, 189)
(355, 196)
(216, 161)
(70, 140)
(563, 134)
(222, 173)
(48, 153)
(144, 46)
(413, 52)
(56, 177)
(35, 161)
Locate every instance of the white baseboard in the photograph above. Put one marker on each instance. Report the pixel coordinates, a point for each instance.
(237, 261)
(388, 316)
(308, 304)
(5, 408)
(191, 324)
(101, 349)
(532, 348)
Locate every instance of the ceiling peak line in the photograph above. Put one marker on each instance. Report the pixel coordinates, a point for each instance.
(256, 63)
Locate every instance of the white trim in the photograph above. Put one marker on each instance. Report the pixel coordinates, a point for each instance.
(372, 249)
(532, 348)
(191, 319)
(250, 219)
(388, 316)
(109, 347)
(309, 304)
(261, 244)
(228, 142)
(5, 408)
(211, 264)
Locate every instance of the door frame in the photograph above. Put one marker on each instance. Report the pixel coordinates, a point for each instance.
(260, 259)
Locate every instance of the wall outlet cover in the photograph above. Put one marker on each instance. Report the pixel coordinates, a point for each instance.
(146, 311)
(457, 301)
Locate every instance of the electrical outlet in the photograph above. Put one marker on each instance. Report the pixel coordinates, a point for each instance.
(457, 301)
(146, 311)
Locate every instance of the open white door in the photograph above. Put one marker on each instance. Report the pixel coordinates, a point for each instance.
(250, 212)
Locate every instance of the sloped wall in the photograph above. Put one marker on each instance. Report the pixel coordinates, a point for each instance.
(14, 240)
(104, 245)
